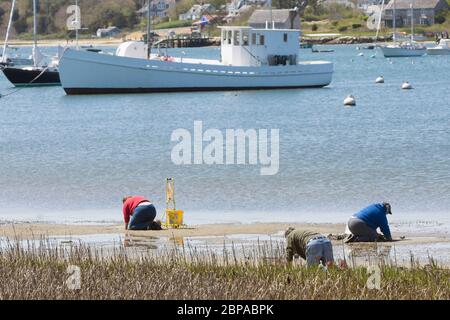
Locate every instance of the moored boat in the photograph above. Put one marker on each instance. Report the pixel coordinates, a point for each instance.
(403, 49)
(30, 76)
(443, 48)
(250, 59)
(40, 73)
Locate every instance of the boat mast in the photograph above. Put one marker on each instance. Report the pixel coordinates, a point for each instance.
(271, 16)
(394, 36)
(379, 22)
(77, 25)
(8, 31)
(412, 21)
(34, 30)
(149, 29)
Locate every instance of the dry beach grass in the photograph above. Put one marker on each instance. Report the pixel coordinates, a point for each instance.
(40, 272)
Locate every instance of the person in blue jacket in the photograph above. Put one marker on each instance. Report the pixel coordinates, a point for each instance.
(363, 225)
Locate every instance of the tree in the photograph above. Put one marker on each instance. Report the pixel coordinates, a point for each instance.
(2, 12)
(21, 25)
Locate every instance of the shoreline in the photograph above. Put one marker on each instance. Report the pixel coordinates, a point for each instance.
(242, 239)
(341, 40)
(32, 231)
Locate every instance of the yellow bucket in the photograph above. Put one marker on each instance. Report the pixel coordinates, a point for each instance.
(174, 218)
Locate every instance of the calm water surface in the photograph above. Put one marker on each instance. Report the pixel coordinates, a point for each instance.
(72, 158)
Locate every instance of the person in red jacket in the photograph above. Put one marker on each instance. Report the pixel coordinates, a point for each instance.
(139, 214)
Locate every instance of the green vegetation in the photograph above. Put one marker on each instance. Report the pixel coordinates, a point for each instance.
(316, 17)
(52, 15)
(40, 272)
(173, 24)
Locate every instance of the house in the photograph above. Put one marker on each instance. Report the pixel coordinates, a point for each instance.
(424, 12)
(110, 32)
(159, 8)
(283, 19)
(347, 3)
(364, 5)
(235, 8)
(197, 11)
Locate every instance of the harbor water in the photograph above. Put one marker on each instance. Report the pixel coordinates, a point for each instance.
(73, 158)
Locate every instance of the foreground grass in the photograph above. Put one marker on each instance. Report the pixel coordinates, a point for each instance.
(41, 273)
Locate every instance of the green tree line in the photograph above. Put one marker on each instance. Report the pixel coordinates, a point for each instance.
(52, 15)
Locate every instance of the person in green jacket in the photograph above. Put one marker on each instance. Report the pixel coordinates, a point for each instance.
(311, 246)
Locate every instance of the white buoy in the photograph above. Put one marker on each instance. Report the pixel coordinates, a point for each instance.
(350, 100)
(361, 54)
(380, 79)
(406, 86)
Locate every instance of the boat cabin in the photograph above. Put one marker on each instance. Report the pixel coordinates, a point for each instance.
(245, 46)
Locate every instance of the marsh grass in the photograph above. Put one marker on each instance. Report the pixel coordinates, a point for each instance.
(39, 271)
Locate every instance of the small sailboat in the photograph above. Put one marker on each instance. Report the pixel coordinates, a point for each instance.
(39, 73)
(405, 49)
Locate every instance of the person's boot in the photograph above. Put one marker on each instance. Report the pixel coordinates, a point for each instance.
(350, 238)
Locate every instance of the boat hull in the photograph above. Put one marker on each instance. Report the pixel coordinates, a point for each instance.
(92, 73)
(395, 52)
(22, 77)
(438, 52)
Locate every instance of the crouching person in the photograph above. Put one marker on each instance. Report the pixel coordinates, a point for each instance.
(313, 247)
(364, 224)
(139, 214)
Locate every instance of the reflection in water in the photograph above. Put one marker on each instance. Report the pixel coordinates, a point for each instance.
(367, 254)
(177, 241)
(133, 241)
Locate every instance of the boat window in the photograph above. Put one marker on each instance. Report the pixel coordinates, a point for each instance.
(237, 38)
(245, 38)
(261, 39)
(254, 39)
(224, 36)
(285, 37)
(229, 37)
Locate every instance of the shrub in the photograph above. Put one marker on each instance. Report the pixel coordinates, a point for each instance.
(356, 25)
(442, 16)
(314, 27)
(342, 28)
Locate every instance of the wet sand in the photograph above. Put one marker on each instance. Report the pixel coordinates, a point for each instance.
(36, 231)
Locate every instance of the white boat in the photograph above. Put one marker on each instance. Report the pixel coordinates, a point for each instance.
(409, 49)
(250, 59)
(443, 48)
(405, 49)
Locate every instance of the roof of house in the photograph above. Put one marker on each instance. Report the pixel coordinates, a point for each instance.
(154, 2)
(417, 4)
(199, 9)
(278, 16)
(109, 29)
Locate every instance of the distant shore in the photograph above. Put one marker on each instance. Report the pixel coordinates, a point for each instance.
(64, 42)
(341, 40)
